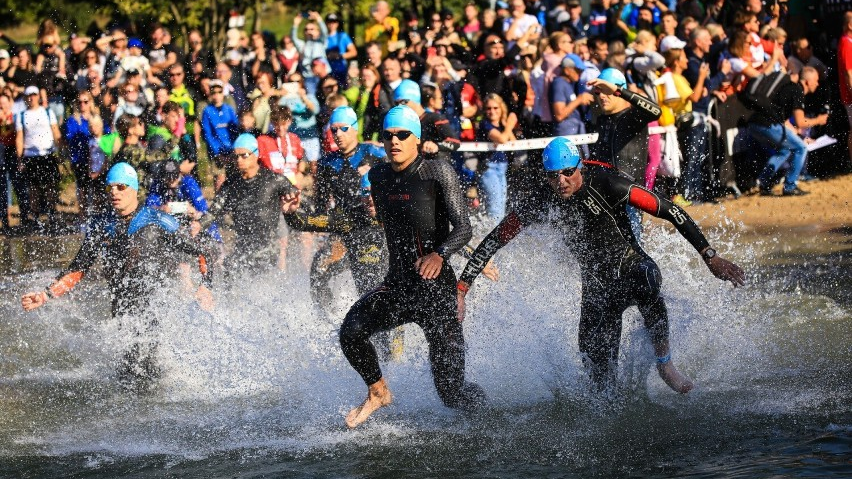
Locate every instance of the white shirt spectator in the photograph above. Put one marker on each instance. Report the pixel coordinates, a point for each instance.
(526, 22)
(38, 131)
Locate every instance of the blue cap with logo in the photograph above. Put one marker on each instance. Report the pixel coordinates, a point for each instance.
(403, 117)
(123, 174)
(246, 141)
(344, 114)
(613, 76)
(407, 90)
(561, 153)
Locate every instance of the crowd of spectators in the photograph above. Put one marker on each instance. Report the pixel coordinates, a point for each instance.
(492, 72)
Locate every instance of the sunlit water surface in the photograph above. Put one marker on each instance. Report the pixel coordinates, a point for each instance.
(260, 388)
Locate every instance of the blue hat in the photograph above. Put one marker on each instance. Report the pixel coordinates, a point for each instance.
(246, 141)
(344, 114)
(135, 42)
(365, 185)
(573, 61)
(613, 76)
(403, 117)
(123, 174)
(560, 153)
(407, 90)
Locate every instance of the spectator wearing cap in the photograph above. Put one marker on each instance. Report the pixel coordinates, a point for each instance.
(220, 126)
(5, 63)
(314, 44)
(384, 29)
(566, 97)
(520, 26)
(339, 49)
(36, 143)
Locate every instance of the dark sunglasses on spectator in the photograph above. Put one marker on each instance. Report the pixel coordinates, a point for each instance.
(244, 155)
(494, 42)
(566, 172)
(119, 187)
(402, 135)
(335, 129)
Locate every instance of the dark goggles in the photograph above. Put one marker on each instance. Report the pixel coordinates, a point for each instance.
(566, 172)
(402, 135)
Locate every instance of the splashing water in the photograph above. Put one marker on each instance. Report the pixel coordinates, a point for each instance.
(261, 385)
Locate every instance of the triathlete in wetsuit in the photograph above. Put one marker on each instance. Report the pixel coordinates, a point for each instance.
(417, 201)
(340, 209)
(589, 207)
(254, 199)
(438, 140)
(139, 248)
(622, 129)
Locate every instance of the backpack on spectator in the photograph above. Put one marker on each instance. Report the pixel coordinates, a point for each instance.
(760, 91)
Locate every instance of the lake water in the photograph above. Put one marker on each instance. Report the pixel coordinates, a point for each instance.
(260, 388)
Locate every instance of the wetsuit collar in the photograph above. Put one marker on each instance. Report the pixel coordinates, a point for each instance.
(411, 168)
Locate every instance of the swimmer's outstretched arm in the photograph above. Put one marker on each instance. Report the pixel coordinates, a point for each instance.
(660, 207)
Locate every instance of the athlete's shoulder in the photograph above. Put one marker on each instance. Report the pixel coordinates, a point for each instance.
(151, 217)
(435, 169)
(333, 160)
(610, 183)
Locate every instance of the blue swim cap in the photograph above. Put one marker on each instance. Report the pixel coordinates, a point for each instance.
(365, 185)
(123, 174)
(246, 141)
(613, 76)
(407, 90)
(403, 117)
(344, 114)
(560, 153)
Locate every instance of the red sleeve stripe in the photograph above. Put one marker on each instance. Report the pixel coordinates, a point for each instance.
(65, 283)
(509, 228)
(644, 200)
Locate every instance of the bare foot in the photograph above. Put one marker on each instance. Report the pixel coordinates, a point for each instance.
(378, 396)
(674, 378)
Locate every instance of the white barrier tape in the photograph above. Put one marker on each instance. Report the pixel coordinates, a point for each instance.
(532, 144)
(540, 143)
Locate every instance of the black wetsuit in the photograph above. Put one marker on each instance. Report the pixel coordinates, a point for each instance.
(255, 207)
(616, 273)
(139, 256)
(417, 206)
(340, 210)
(623, 136)
(437, 129)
